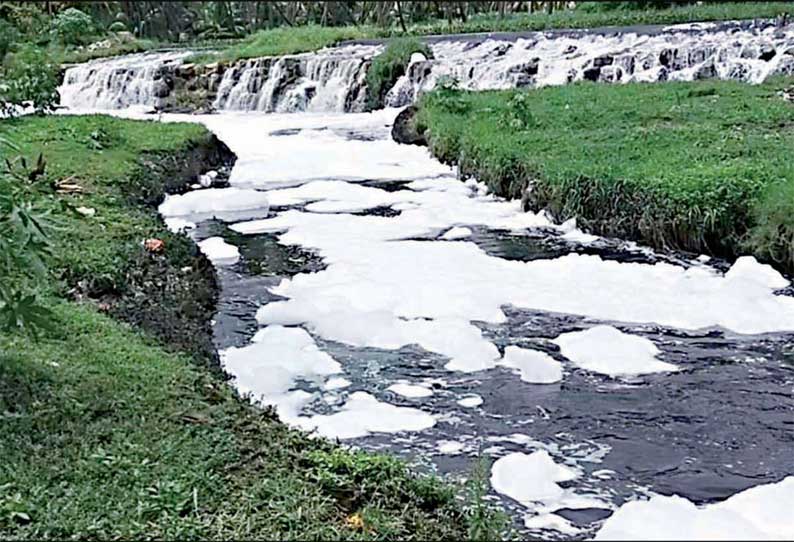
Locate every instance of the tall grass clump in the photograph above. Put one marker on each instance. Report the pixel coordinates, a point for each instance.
(389, 66)
(772, 234)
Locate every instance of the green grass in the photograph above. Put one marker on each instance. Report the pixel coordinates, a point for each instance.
(285, 41)
(105, 433)
(300, 39)
(703, 166)
(389, 66)
(100, 154)
(592, 15)
(75, 55)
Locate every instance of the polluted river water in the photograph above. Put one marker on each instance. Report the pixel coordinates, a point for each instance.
(370, 296)
(593, 371)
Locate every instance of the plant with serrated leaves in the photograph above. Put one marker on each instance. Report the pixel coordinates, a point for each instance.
(24, 248)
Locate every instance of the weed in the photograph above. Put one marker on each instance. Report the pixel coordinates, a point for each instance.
(484, 520)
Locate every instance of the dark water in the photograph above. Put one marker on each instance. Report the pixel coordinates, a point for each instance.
(723, 423)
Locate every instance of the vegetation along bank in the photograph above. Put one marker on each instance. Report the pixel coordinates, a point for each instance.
(110, 423)
(700, 166)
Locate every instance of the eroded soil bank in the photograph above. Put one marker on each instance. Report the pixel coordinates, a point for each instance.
(171, 294)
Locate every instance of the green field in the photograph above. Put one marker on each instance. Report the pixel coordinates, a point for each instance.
(109, 431)
(702, 166)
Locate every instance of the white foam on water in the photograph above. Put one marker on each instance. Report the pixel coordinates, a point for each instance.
(178, 224)
(336, 383)
(219, 251)
(571, 233)
(363, 414)
(410, 391)
(269, 367)
(533, 480)
(550, 521)
(384, 288)
(747, 270)
(470, 401)
(458, 232)
(530, 478)
(213, 201)
(760, 513)
(533, 366)
(319, 150)
(333, 197)
(450, 447)
(609, 351)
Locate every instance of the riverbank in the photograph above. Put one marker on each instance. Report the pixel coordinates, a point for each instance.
(700, 166)
(300, 39)
(117, 430)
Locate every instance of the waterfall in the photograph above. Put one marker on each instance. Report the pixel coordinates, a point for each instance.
(745, 52)
(117, 83)
(334, 79)
(329, 80)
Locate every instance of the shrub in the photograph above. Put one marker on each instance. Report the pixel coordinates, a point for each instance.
(389, 66)
(27, 18)
(73, 27)
(29, 77)
(772, 234)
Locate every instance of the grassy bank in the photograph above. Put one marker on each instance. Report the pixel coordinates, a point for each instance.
(594, 15)
(112, 430)
(111, 46)
(285, 41)
(299, 39)
(702, 166)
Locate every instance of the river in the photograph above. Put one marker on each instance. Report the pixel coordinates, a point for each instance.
(370, 296)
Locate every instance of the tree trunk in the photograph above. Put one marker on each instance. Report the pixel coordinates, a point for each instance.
(400, 15)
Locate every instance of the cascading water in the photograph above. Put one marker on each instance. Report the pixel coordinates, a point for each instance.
(334, 79)
(117, 83)
(330, 80)
(678, 53)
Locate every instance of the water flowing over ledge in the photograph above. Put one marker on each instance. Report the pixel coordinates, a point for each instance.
(333, 79)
